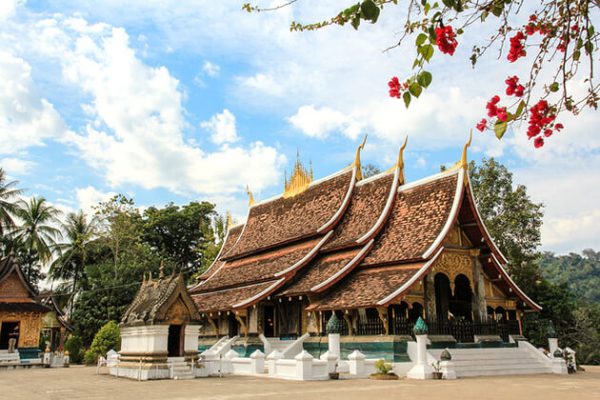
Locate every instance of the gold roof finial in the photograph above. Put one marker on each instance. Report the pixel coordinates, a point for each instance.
(228, 221)
(357, 158)
(400, 162)
(299, 180)
(161, 270)
(250, 196)
(463, 160)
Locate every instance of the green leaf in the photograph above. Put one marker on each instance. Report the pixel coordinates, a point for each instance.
(355, 22)
(406, 98)
(427, 52)
(369, 10)
(415, 63)
(576, 55)
(415, 89)
(424, 79)
(449, 3)
(351, 10)
(421, 39)
(500, 129)
(589, 47)
(426, 8)
(520, 109)
(554, 87)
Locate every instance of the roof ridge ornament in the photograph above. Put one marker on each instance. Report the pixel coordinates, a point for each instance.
(300, 179)
(463, 160)
(356, 162)
(400, 162)
(250, 196)
(228, 221)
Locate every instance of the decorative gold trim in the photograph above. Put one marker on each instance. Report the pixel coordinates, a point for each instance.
(250, 196)
(382, 313)
(228, 221)
(356, 162)
(464, 163)
(299, 181)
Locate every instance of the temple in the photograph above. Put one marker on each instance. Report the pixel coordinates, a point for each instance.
(20, 315)
(378, 252)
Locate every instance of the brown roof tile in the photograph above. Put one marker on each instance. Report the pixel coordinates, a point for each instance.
(230, 239)
(417, 218)
(318, 271)
(257, 267)
(367, 204)
(287, 219)
(226, 299)
(365, 287)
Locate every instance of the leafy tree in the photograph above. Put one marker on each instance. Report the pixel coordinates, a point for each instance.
(581, 273)
(108, 337)
(8, 207)
(181, 234)
(74, 346)
(560, 34)
(513, 220)
(73, 254)
(37, 234)
(370, 170)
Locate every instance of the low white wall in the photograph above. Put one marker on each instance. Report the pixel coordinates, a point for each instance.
(145, 339)
(191, 338)
(241, 366)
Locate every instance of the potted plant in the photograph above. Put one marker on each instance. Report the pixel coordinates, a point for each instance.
(437, 370)
(384, 371)
(335, 374)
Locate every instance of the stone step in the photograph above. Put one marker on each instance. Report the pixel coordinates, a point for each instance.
(507, 361)
(506, 371)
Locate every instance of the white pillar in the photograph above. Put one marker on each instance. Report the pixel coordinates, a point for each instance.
(331, 359)
(257, 362)
(272, 362)
(421, 370)
(304, 365)
(552, 345)
(334, 343)
(356, 362)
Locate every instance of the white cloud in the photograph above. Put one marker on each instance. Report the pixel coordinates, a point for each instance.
(9, 7)
(262, 83)
(211, 69)
(89, 197)
(320, 123)
(16, 166)
(26, 119)
(221, 127)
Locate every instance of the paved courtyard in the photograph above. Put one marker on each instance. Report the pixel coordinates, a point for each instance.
(83, 383)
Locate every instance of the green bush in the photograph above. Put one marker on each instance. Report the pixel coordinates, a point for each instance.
(108, 337)
(383, 367)
(74, 346)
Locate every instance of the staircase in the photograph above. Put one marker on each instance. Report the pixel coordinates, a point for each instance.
(180, 369)
(222, 346)
(289, 348)
(494, 361)
(9, 359)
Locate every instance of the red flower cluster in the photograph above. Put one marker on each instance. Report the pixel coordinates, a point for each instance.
(517, 47)
(533, 26)
(396, 87)
(445, 38)
(541, 123)
(495, 111)
(513, 87)
(481, 125)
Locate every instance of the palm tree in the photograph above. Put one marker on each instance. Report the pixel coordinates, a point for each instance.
(73, 254)
(38, 230)
(7, 206)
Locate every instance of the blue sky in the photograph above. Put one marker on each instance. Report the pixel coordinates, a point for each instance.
(180, 101)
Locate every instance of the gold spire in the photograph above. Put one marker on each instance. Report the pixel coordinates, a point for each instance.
(463, 160)
(400, 162)
(356, 162)
(228, 221)
(250, 196)
(299, 180)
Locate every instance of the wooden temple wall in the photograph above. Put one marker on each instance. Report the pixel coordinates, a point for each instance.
(30, 325)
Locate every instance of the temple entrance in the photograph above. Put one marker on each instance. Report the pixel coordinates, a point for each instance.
(233, 326)
(442, 296)
(289, 317)
(460, 304)
(9, 330)
(175, 341)
(269, 321)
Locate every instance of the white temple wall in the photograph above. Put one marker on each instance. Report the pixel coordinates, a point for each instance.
(191, 338)
(145, 339)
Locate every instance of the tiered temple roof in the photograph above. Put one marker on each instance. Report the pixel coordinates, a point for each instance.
(346, 242)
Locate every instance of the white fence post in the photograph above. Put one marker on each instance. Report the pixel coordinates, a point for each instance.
(272, 362)
(356, 362)
(331, 359)
(257, 362)
(304, 365)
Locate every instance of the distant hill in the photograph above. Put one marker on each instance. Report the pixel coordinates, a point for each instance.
(580, 272)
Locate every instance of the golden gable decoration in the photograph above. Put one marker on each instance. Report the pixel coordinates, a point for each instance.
(299, 181)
